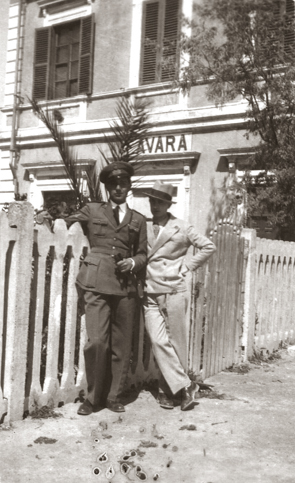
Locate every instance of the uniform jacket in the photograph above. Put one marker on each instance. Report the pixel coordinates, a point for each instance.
(166, 255)
(98, 271)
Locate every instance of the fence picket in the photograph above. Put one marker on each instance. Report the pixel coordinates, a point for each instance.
(232, 287)
(212, 308)
(8, 236)
(43, 239)
(77, 241)
(20, 215)
(221, 234)
(197, 320)
(236, 347)
(51, 383)
(221, 296)
(227, 294)
(208, 294)
(81, 376)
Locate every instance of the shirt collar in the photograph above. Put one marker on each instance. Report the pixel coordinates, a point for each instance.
(123, 206)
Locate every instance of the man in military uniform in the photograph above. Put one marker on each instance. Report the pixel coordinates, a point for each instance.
(117, 237)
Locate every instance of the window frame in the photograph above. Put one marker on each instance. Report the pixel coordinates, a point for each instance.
(69, 62)
(44, 70)
(159, 55)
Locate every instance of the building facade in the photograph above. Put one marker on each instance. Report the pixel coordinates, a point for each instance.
(77, 57)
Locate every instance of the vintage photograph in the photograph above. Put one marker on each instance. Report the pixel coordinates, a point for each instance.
(147, 227)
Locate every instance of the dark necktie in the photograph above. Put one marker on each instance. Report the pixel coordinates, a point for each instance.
(116, 214)
(156, 229)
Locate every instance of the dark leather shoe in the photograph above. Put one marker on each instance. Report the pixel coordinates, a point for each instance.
(188, 396)
(115, 406)
(165, 401)
(85, 409)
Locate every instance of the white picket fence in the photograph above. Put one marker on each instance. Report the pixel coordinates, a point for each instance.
(274, 293)
(241, 301)
(35, 370)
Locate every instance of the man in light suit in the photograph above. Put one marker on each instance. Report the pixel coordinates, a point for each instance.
(109, 278)
(166, 294)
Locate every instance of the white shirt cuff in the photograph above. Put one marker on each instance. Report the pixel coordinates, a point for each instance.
(133, 264)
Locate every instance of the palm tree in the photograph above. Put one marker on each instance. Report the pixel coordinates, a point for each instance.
(124, 143)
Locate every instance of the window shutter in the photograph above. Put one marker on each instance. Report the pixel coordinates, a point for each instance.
(169, 53)
(289, 40)
(42, 63)
(150, 43)
(86, 55)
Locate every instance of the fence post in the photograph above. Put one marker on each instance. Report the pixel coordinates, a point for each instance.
(21, 216)
(249, 300)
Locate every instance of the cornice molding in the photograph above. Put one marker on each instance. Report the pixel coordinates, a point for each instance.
(55, 6)
(172, 163)
(94, 132)
(55, 168)
(237, 152)
(236, 158)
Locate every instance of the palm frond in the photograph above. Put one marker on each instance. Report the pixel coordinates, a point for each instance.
(128, 131)
(67, 154)
(125, 143)
(93, 185)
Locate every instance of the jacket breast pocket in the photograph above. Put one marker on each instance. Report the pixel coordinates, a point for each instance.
(134, 226)
(88, 272)
(99, 227)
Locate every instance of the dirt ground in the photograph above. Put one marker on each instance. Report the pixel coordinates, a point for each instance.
(248, 435)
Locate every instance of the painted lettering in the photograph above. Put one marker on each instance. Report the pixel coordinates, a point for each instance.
(159, 145)
(170, 140)
(141, 147)
(150, 146)
(182, 143)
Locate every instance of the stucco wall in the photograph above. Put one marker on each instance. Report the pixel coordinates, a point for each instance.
(4, 10)
(112, 44)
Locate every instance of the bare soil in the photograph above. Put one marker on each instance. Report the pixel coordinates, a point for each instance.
(246, 435)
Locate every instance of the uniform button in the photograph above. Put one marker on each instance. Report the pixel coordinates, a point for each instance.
(115, 238)
(113, 248)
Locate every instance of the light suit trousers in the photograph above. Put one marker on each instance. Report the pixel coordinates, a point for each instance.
(165, 321)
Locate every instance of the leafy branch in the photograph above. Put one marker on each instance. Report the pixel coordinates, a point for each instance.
(128, 132)
(67, 154)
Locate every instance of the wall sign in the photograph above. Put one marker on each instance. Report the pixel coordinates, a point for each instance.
(170, 143)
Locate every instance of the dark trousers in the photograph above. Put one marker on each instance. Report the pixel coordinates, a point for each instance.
(109, 325)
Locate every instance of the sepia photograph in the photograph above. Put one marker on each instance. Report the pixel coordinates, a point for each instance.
(147, 229)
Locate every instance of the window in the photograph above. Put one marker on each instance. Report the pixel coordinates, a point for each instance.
(289, 38)
(63, 60)
(283, 32)
(160, 30)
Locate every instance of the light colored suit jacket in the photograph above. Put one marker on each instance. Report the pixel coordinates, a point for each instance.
(167, 265)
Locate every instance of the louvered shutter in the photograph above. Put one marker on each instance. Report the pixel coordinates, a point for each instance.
(86, 55)
(169, 53)
(289, 40)
(42, 63)
(275, 31)
(150, 43)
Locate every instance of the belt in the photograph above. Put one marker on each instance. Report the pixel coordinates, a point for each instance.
(111, 251)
